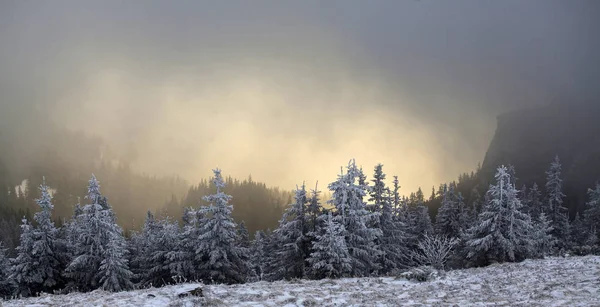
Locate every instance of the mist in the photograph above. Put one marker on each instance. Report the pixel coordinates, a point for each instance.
(288, 91)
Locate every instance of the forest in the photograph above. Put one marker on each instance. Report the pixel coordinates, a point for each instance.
(366, 229)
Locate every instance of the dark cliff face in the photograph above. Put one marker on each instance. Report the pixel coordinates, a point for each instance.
(530, 138)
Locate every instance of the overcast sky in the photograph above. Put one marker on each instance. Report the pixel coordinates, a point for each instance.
(290, 90)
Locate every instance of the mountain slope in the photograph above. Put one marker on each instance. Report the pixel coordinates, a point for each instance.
(530, 138)
(573, 281)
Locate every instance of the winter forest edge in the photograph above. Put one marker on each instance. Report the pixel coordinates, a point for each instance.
(366, 229)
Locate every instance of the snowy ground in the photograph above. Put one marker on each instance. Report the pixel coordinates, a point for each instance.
(571, 281)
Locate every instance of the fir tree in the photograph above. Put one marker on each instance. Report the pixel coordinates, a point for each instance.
(393, 239)
(159, 238)
(220, 256)
(313, 211)
(114, 270)
(42, 258)
(534, 201)
(293, 241)
(503, 232)
(259, 255)
(452, 216)
(592, 212)
(97, 244)
(330, 258)
(554, 204)
(543, 241)
(6, 284)
(243, 235)
(181, 261)
(352, 214)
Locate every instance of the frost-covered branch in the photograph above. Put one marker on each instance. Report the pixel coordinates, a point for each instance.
(434, 251)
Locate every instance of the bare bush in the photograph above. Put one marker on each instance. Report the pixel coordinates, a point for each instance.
(434, 251)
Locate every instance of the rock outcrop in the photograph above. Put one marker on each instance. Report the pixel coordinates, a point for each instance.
(530, 138)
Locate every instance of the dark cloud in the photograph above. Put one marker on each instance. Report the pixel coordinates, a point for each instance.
(188, 84)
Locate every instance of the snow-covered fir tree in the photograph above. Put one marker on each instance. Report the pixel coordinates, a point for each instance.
(244, 235)
(554, 207)
(503, 232)
(592, 212)
(377, 194)
(114, 270)
(292, 239)
(314, 210)
(99, 239)
(181, 261)
(219, 254)
(158, 239)
(360, 239)
(541, 237)
(330, 257)
(452, 216)
(393, 241)
(42, 255)
(534, 201)
(258, 255)
(6, 283)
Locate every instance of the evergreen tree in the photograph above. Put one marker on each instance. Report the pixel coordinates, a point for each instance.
(330, 258)
(6, 283)
(360, 239)
(42, 257)
(503, 232)
(220, 256)
(534, 201)
(259, 255)
(181, 261)
(159, 238)
(293, 241)
(592, 212)
(377, 193)
(98, 243)
(114, 270)
(244, 235)
(394, 239)
(543, 241)
(554, 204)
(313, 211)
(452, 216)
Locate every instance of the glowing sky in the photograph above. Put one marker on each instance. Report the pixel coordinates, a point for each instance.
(290, 90)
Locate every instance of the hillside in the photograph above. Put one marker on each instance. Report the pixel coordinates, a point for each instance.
(572, 281)
(530, 138)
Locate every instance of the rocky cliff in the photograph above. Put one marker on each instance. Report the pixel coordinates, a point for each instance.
(530, 138)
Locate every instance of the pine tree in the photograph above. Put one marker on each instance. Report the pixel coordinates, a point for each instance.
(114, 270)
(543, 241)
(243, 235)
(313, 211)
(181, 261)
(330, 258)
(592, 212)
(259, 255)
(377, 193)
(293, 240)
(503, 230)
(98, 243)
(22, 273)
(159, 238)
(534, 201)
(554, 204)
(41, 260)
(220, 256)
(6, 283)
(393, 239)
(360, 239)
(452, 216)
